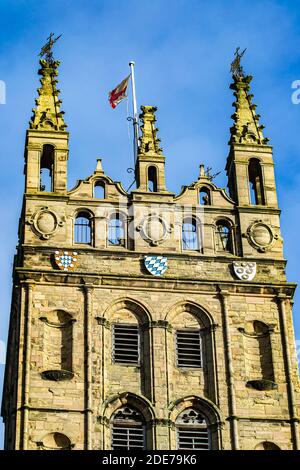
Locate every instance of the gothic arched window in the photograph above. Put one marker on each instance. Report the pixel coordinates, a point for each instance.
(224, 242)
(128, 429)
(152, 179)
(256, 189)
(192, 430)
(82, 228)
(46, 168)
(116, 230)
(190, 236)
(99, 190)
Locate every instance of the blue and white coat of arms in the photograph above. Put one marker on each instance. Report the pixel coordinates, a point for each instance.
(156, 265)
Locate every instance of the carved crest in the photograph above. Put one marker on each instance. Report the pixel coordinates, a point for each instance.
(66, 260)
(156, 265)
(244, 271)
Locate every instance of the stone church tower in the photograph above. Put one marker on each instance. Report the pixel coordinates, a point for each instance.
(148, 319)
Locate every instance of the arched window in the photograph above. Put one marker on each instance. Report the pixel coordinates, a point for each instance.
(204, 197)
(99, 190)
(46, 168)
(128, 429)
(224, 242)
(152, 179)
(190, 238)
(256, 190)
(116, 231)
(82, 228)
(126, 344)
(192, 432)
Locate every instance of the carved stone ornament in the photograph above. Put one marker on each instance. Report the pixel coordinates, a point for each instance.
(66, 260)
(57, 375)
(154, 229)
(262, 384)
(261, 236)
(245, 271)
(45, 222)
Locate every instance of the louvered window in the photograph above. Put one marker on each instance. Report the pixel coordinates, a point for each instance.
(128, 430)
(126, 344)
(192, 432)
(188, 346)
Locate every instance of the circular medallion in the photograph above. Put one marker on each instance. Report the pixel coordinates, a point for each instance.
(154, 229)
(45, 222)
(261, 235)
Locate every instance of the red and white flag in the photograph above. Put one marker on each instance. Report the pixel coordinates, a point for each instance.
(119, 93)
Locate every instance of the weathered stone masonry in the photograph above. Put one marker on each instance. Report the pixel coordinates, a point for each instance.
(63, 386)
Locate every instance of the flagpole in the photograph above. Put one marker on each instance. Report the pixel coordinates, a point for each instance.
(135, 114)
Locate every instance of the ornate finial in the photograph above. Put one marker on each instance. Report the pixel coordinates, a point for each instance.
(236, 69)
(149, 142)
(46, 50)
(207, 173)
(246, 128)
(47, 114)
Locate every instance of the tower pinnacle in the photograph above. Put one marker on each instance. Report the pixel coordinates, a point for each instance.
(246, 128)
(47, 114)
(149, 142)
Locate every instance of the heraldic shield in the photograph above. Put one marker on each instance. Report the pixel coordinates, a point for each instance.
(66, 260)
(156, 265)
(245, 271)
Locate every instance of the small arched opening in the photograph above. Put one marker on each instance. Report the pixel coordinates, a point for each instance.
(256, 189)
(46, 168)
(152, 179)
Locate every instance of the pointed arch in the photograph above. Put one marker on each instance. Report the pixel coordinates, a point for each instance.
(207, 410)
(141, 311)
(201, 312)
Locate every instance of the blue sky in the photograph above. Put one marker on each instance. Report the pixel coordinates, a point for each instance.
(182, 49)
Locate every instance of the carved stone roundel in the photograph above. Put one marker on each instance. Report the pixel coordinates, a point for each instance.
(45, 222)
(154, 229)
(261, 236)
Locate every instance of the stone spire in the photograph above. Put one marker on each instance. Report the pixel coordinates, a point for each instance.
(246, 128)
(47, 114)
(149, 142)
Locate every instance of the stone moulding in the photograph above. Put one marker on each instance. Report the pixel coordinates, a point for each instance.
(57, 375)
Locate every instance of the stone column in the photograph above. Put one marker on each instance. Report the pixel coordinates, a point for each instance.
(281, 299)
(88, 366)
(230, 371)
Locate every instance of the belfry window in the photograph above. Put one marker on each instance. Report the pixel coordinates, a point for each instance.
(190, 238)
(256, 190)
(116, 231)
(46, 168)
(126, 344)
(192, 431)
(204, 197)
(82, 228)
(152, 179)
(99, 190)
(223, 234)
(188, 348)
(128, 429)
